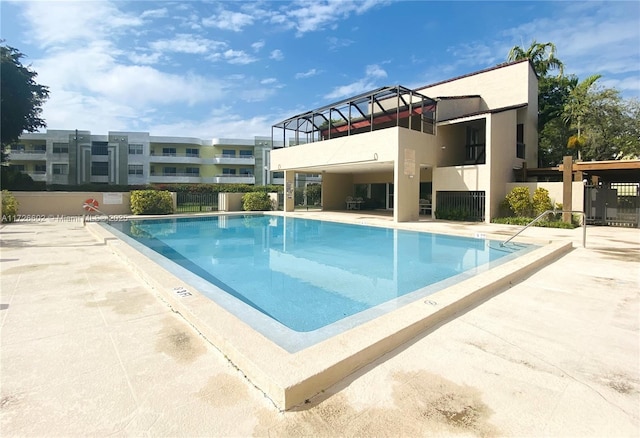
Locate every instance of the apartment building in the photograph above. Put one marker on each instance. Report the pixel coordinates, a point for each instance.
(450, 146)
(70, 157)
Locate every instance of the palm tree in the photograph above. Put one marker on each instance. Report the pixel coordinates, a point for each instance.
(576, 108)
(542, 57)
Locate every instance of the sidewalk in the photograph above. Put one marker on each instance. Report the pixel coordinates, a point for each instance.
(88, 350)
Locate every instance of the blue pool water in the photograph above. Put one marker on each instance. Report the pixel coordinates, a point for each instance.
(308, 274)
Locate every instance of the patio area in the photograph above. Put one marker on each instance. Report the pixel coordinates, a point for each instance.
(88, 349)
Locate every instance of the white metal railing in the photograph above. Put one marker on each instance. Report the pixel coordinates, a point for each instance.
(35, 151)
(247, 157)
(541, 215)
(169, 154)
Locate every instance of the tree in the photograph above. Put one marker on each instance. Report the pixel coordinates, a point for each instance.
(22, 97)
(576, 107)
(541, 55)
(611, 126)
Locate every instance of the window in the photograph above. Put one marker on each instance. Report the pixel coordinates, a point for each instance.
(194, 171)
(193, 152)
(520, 150)
(99, 148)
(227, 171)
(18, 167)
(135, 169)
(40, 148)
(61, 148)
(246, 171)
(40, 168)
(135, 149)
(246, 154)
(17, 147)
(228, 153)
(60, 169)
(99, 168)
(169, 170)
(168, 152)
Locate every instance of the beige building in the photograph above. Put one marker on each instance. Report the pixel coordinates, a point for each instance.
(446, 149)
(74, 157)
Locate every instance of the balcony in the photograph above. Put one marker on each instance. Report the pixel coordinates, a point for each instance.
(475, 154)
(232, 159)
(37, 175)
(28, 155)
(178, 177)
(231, 179)
(175, 158)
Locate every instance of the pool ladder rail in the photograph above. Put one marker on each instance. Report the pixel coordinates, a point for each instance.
(543, 214)
(87, 213)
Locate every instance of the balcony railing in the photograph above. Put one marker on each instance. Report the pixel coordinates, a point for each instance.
(27, 151)
(196, 175)
(248, 157)
(175, 154)
(243, 160)
(22, 155)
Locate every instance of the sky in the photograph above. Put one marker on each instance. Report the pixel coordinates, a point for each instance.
(232, 69)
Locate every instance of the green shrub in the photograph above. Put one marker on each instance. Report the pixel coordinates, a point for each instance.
(151, 202)
(9, 206)
(541, 201)
(313, 193)
(455, 214)
(542, 223)
(256, 201)
(519, 201)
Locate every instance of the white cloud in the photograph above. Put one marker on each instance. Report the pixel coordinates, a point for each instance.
(61, 23)
(226, 123)
(335, 42)
(155, 13)
(257, 46)
(268, 81)
(374, 71)
(145, 58)
(186, 43)
(276, 55)
(590, 37)
(228, 20)
(312, 16)
(307, 74)
(233, 57)
(368, 82)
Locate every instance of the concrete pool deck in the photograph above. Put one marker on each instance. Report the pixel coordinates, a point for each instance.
(88, 349)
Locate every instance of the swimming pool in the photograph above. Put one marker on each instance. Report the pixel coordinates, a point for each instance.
(299, 281)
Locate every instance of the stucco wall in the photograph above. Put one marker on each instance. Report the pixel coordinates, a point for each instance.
(68, 203)
(499, 87)
(230, 201)
(71, 203)
(501, 158)
(335, 189)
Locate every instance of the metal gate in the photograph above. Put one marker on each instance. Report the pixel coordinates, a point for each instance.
(196, 202)
(614, 204)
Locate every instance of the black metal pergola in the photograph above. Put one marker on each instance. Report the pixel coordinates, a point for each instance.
(377, 109)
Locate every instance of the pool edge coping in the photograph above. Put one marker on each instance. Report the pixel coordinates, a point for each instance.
(289, 379)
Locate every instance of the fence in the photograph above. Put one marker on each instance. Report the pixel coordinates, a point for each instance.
(613, 204)
(196, 202)
(469, 206)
